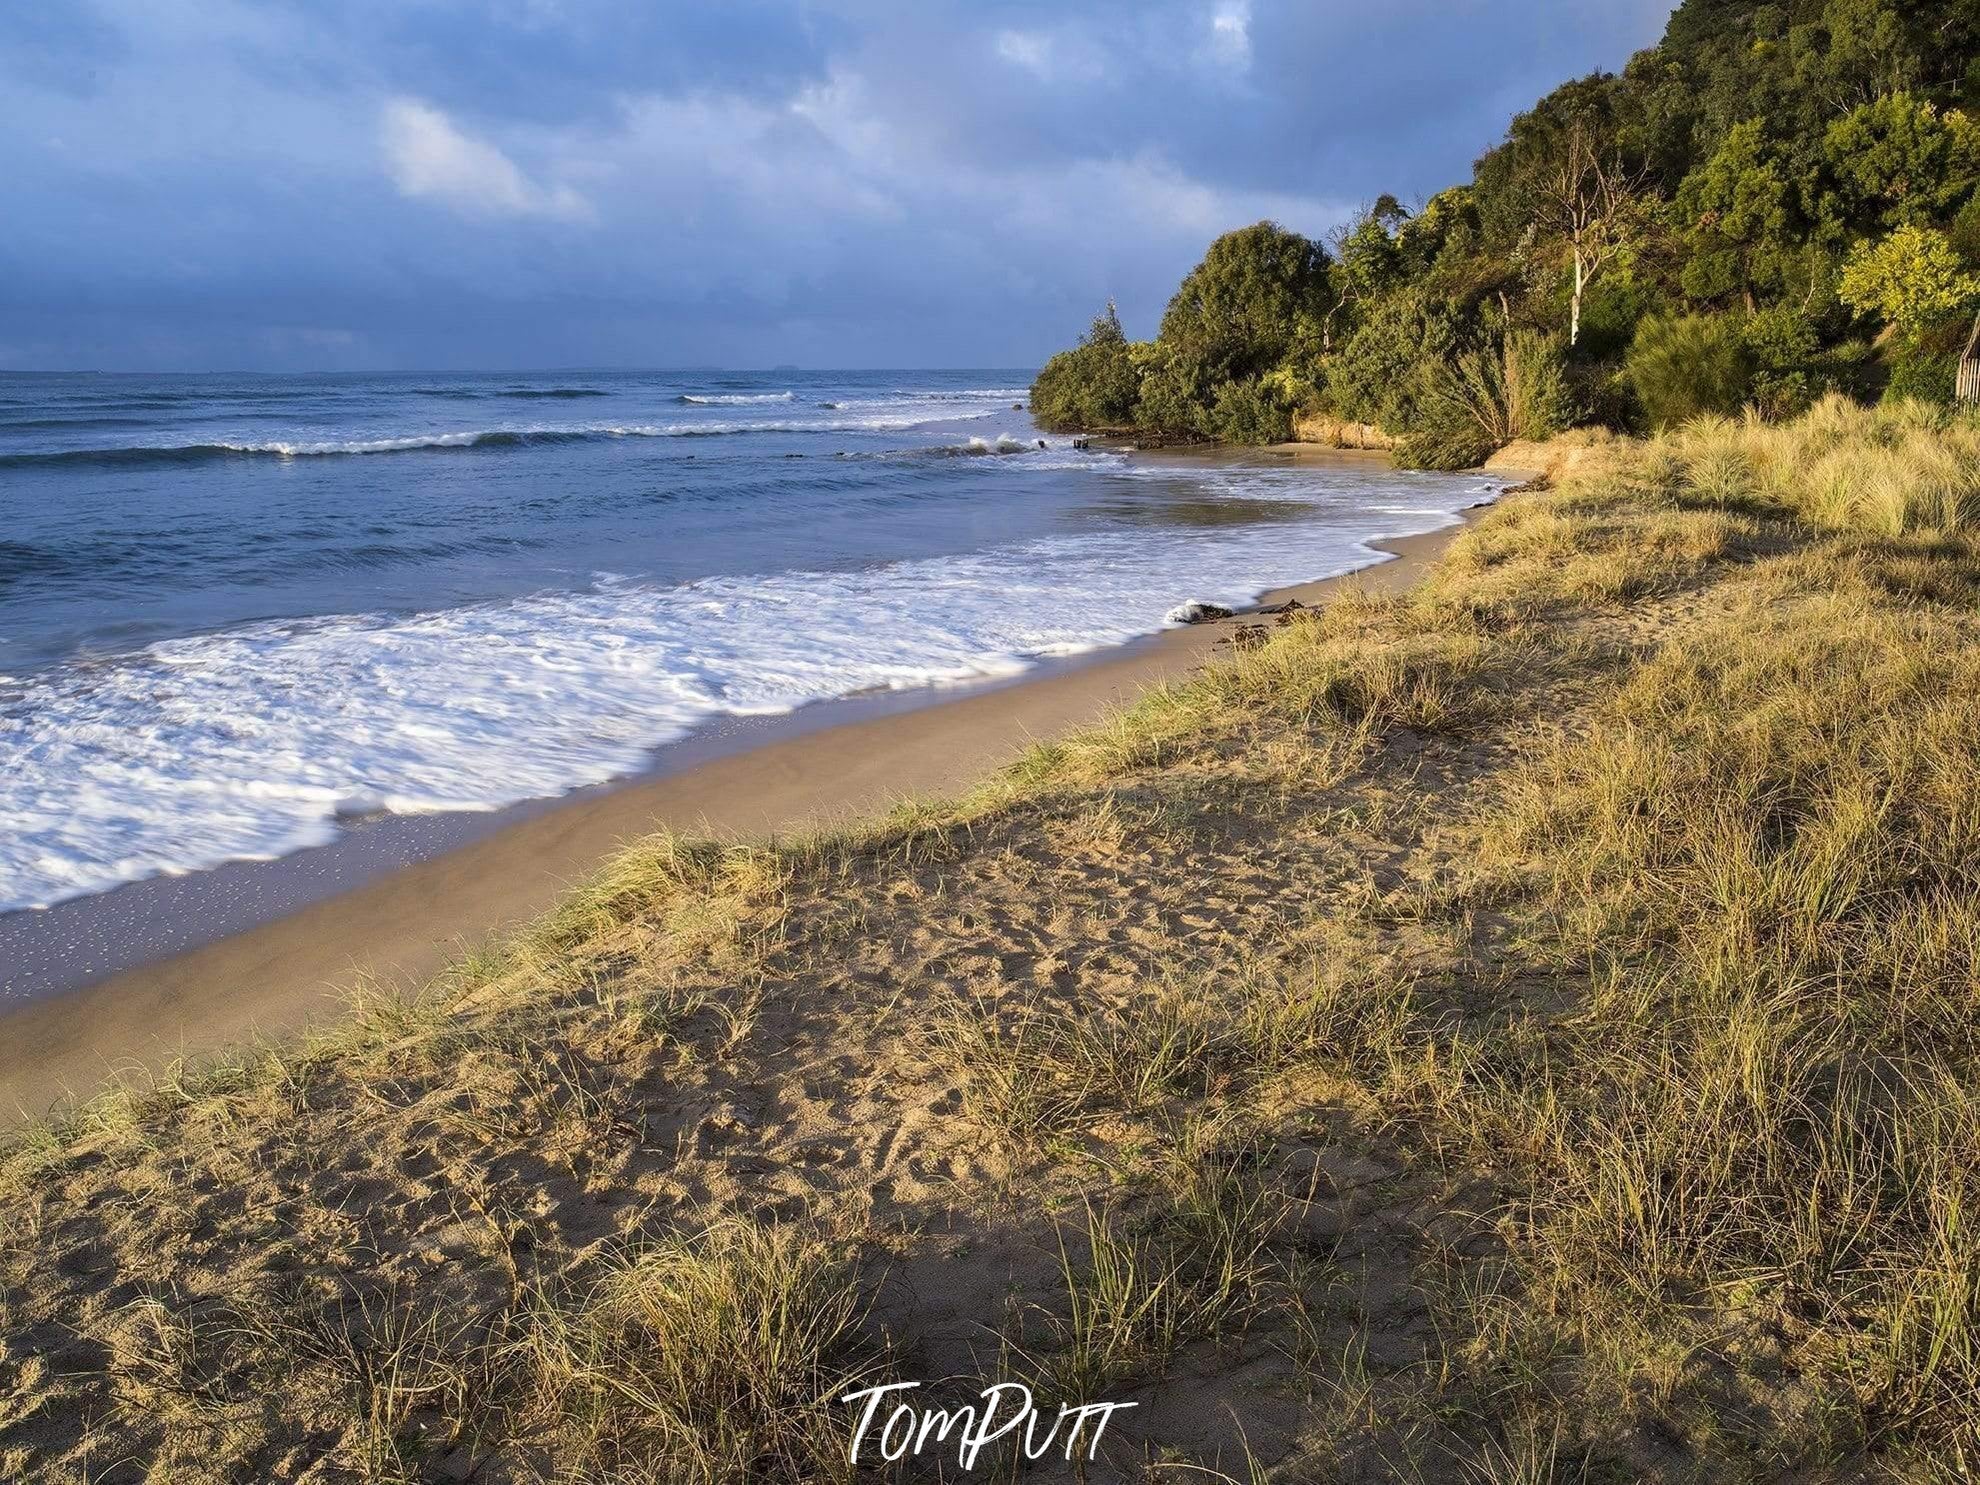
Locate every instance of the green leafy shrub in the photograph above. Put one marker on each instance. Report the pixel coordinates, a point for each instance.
(1923, 369)
(1257, 297)
(1170, 402)
(1444, 439)
(1250, 412)
(1487, 396)
(1094, 385)
(1682, 368)
(1782, 342)
(1376, 376)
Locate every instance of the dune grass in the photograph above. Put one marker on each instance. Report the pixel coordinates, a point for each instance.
(1583, 1083)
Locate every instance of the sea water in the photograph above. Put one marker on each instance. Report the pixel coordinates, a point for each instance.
(238, 612)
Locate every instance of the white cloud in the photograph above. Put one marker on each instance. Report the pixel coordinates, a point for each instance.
(431, 158)
(1026, 49)
(1230, 32)
(1068, 55)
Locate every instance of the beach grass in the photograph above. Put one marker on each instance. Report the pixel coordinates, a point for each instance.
(1522, 1028)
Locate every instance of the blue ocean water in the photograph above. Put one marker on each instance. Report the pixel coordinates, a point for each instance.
(237, 610)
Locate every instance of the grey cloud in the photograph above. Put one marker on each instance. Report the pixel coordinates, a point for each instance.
(510, 182)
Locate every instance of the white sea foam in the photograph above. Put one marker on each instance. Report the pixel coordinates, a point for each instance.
(1003, 443)
(563, 432)
(255, 742)
(736, 399)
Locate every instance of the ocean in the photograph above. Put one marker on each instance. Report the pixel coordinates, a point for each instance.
(239, 613)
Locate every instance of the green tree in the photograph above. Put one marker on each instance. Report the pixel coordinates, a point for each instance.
(1376, 376)
(1094, 385)
(1256, 302)
(1257, 296)
(1571, 176)
(1909, 279)
(1871, 48)
(1904, 160)
(1737, 215)
(1367, 262)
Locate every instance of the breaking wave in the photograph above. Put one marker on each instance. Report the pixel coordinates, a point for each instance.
(256, 741)
(489, 438)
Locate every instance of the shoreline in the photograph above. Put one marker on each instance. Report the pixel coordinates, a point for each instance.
(401, 921)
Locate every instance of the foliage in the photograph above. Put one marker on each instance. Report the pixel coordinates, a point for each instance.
(1374, 377)
(1682, 368)
(1253, 308)
(1788, 166)
(1910, 279)
(1253, 411)
(1737, 210)
(1904, 160)
(1093, 385)
(1486, 397)
(1258, 295)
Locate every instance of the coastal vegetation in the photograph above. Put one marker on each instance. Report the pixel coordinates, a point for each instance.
(1779, 201)
(1517, 1028)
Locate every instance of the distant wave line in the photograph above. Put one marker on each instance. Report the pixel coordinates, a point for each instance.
(492, 438)
(480, 394)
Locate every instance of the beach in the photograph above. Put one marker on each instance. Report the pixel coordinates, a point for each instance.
(1270, 1061)
(400, 927)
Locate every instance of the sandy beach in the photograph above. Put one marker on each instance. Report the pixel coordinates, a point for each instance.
(402, 926)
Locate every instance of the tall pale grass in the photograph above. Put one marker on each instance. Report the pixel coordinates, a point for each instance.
(1888, 470)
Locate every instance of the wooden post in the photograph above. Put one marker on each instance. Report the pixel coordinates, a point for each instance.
(1966, 384)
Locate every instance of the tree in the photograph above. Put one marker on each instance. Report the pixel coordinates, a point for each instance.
(1904, 159)
(1870, 49)
(1567, 170)
(1367, 261)
(1258, 295)
(1591, 200)
(1911, 279)
(1736, 210)
(1093, 385)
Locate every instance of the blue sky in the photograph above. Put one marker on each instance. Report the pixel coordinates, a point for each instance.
(196, 184)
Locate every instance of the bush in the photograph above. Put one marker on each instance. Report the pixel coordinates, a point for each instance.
(1680, 369)
(1255, 299)
(1250, 412)
(1170, 401)
(1443, 441)
(1485, 398)
(1922, 372)
(1376, 377)
(1094, 385)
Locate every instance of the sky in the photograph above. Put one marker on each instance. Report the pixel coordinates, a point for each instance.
(500, 184)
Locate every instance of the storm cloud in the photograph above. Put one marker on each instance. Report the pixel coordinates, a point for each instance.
(507, 183)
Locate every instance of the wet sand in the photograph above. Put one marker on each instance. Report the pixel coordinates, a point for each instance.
(406, 917)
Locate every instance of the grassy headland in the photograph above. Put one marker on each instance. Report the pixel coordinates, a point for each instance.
(1520, 1029)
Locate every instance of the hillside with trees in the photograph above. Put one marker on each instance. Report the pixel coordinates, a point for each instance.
(1775, 202)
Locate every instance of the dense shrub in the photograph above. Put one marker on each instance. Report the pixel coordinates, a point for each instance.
(1250, 412)
(1377, 375)
(1257, 297)
(1681, 368)
(1922, 371)
(1094, 385)
(1485, 397)
(1169, 402)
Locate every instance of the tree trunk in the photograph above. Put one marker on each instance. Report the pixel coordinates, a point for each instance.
(1574, 312)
